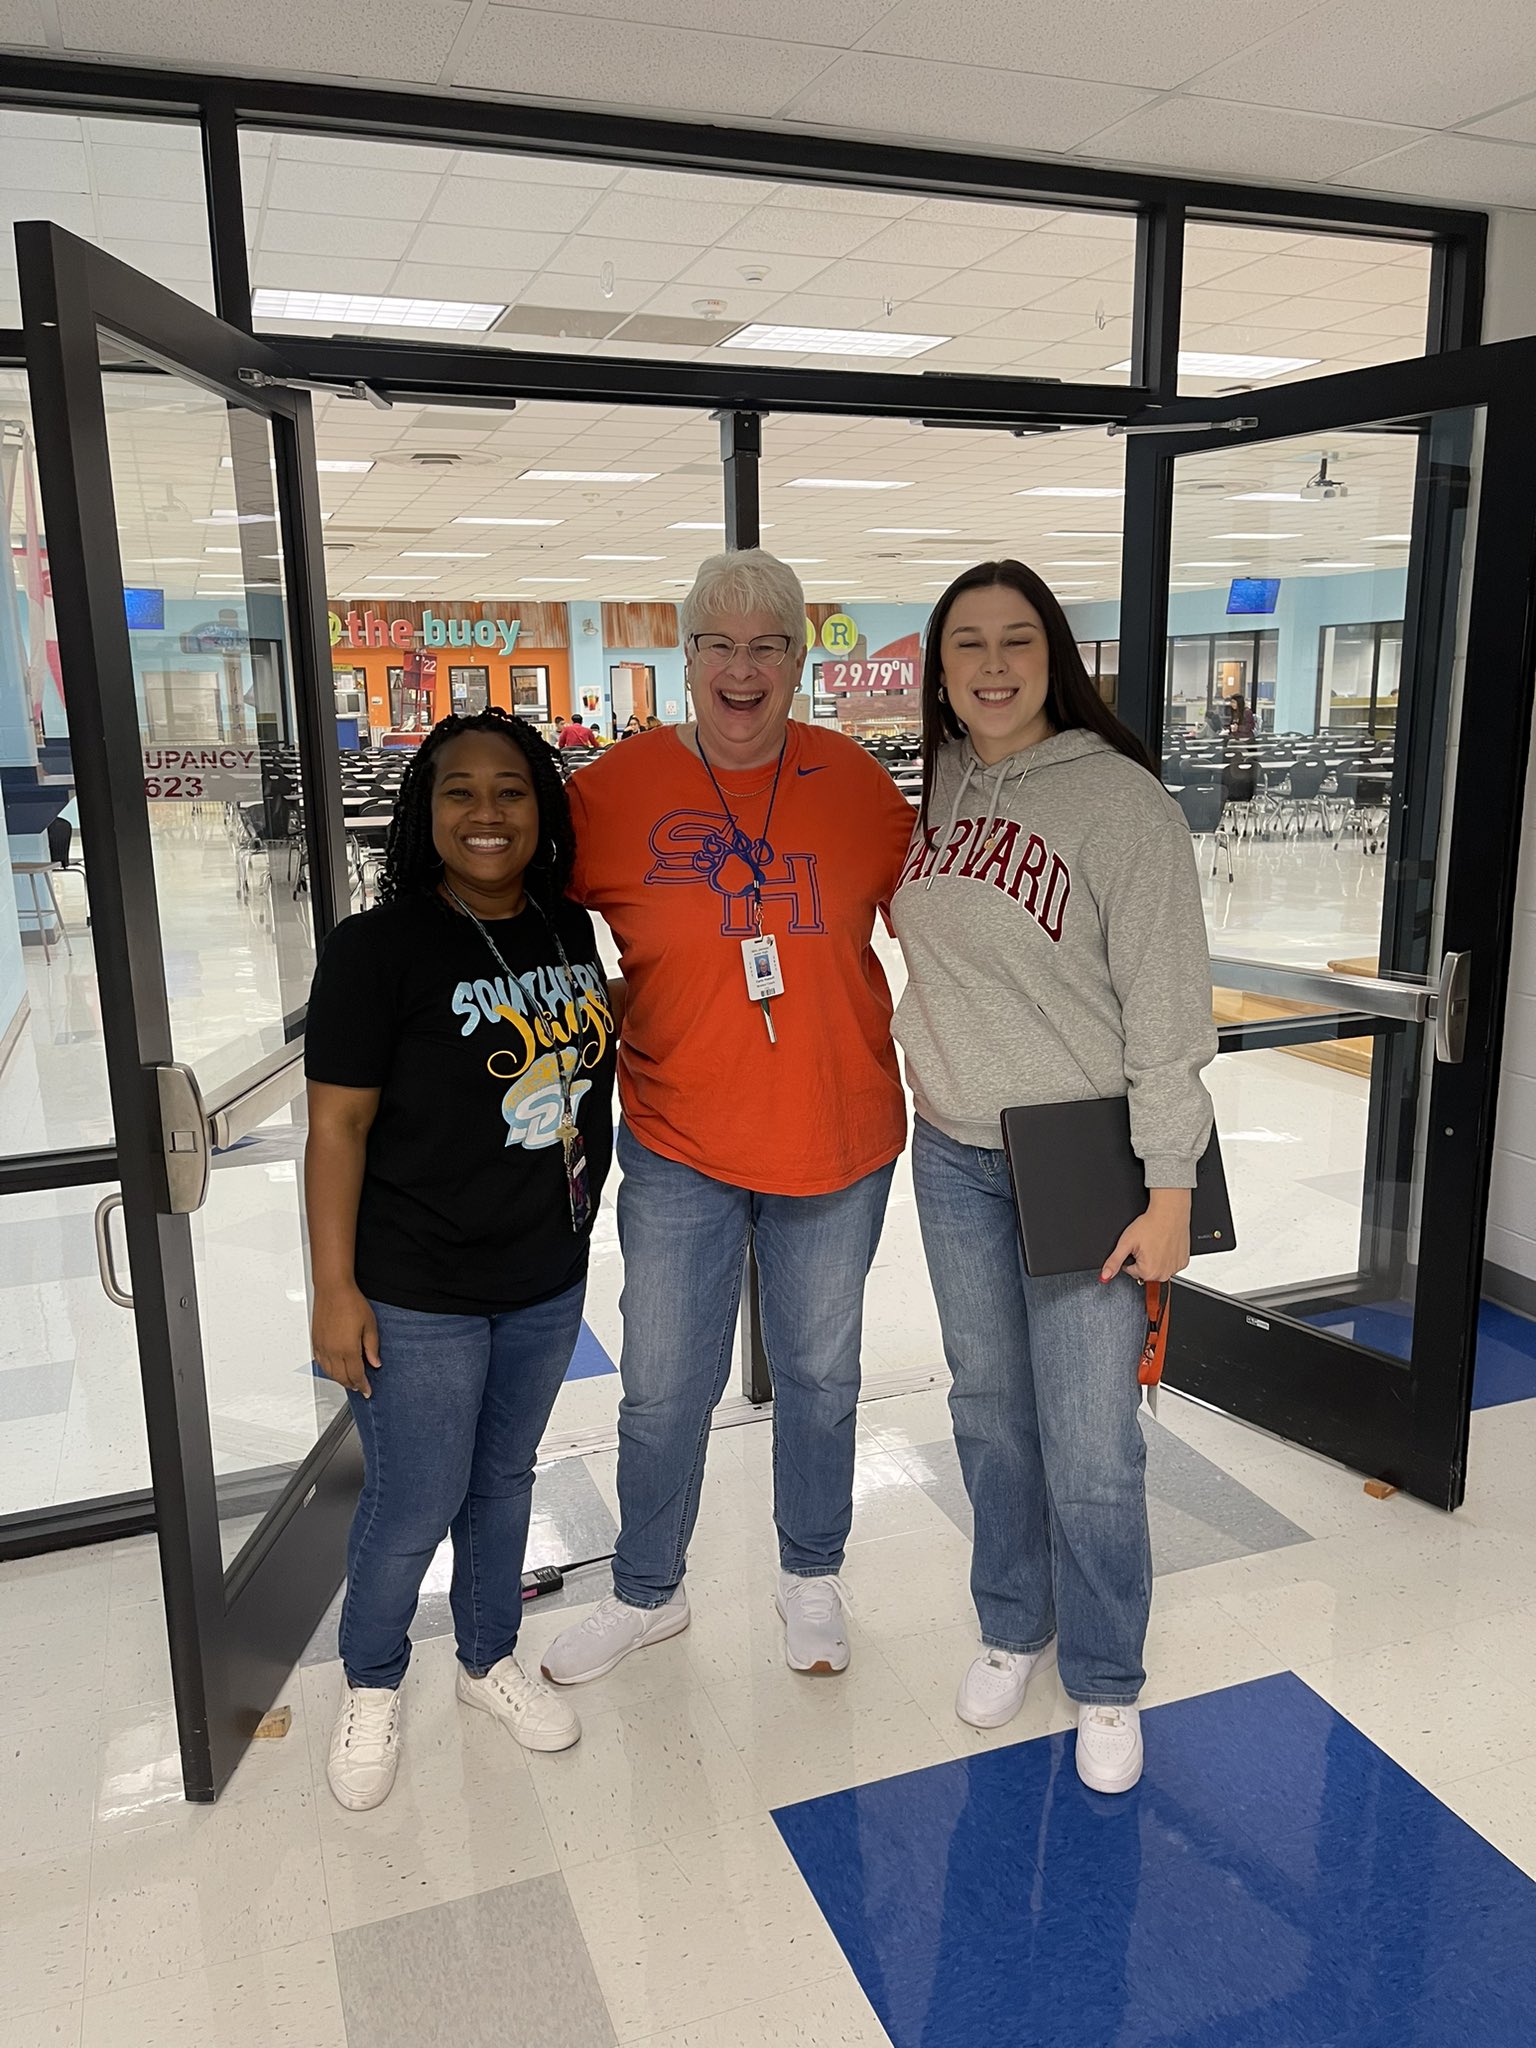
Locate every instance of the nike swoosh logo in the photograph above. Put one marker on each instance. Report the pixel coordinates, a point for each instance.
(811, 771)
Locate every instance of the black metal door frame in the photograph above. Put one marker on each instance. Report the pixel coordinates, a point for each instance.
(232, 1636)
(1407, 1425)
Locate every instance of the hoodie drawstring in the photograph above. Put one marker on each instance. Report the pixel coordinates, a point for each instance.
(972, 762)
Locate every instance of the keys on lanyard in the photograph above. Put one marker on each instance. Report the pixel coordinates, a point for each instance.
(578, 1187)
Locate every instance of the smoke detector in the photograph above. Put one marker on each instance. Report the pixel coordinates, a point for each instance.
(710, 309)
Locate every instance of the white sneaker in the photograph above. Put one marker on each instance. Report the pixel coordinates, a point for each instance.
(992, 1690)
(815, 1640)
(365, 1746)
(593, 1647)
(1109, 1752)
(527, 1710)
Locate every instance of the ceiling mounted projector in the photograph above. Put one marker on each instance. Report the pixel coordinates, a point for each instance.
(1323, 485)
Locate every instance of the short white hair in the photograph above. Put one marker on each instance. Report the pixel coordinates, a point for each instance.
(745, 580)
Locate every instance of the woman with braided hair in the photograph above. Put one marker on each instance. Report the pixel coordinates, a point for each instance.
(460, 1057)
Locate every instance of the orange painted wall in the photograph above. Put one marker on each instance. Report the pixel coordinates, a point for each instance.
(378, 661)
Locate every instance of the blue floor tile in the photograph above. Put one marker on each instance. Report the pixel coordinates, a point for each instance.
(589, 1358)
(1506, 1346)
(1274, 1882)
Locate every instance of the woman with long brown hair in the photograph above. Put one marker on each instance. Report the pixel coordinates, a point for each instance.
(1051, 919)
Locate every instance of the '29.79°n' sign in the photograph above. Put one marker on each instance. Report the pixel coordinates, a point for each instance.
(199, 775)
(884, 672)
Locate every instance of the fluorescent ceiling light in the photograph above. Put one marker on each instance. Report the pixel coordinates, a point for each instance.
(487, 519)
(589, 476)
(526, 578)
(697, 526)
(328, 466)
(223, 551)
(803, 561)
(829, 341)
(1085, 533)
(432, 578)
(445, 555)
(918, 532)
(380, 596)
(623, 558)
(1216, 363)
(1342, 565)
(1078, 562)
(368, 309)
(238, 519)
(846, 483)
(1072, 491)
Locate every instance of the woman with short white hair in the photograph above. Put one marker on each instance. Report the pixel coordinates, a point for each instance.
(740, 861)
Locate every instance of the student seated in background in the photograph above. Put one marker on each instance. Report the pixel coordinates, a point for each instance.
(574, 734)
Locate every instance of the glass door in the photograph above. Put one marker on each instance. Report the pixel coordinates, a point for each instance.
(1358, 878)
(173, 458)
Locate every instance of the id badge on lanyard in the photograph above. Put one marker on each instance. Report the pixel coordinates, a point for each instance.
(765, 976)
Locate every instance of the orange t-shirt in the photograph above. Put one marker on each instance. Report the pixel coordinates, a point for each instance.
(699, 1080)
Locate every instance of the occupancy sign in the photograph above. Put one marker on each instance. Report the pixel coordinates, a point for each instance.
(194, 775)
(883, 672)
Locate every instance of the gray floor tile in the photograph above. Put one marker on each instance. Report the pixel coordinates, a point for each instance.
(571, 1520)
(28, 1390)
(1198, 1513)
(509, 1965)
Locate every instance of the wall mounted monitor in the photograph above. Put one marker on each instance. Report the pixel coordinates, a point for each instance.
(146, 610)
(1253, 594)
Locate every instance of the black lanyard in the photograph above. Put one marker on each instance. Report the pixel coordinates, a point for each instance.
(754, 854)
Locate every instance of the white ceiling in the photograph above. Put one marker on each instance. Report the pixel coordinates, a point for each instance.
(1377, 95)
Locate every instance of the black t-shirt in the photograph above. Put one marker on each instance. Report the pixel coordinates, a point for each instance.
(464, 1207)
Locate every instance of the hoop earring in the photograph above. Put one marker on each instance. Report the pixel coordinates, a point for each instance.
(943, 694)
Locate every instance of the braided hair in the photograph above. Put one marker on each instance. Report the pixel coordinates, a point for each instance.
(412, 864)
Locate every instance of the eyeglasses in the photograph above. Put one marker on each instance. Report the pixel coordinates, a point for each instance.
(769, 650)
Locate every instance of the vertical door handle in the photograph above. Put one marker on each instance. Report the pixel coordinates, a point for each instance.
(1451, 1002)
(104, 1263)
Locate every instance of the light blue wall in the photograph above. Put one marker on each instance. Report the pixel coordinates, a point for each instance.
(1306, 604)
(589, 662)
(668, 664)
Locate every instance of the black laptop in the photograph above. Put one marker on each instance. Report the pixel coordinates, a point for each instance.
(1077, 1184)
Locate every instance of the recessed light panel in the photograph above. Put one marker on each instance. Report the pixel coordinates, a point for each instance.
(830, 341)
(368, 309)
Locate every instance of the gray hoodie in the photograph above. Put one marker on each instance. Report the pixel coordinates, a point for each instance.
(1055, 944)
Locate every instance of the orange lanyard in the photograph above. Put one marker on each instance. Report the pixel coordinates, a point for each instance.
(1150, 1371)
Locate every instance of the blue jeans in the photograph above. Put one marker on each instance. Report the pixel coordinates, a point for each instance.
(1045, 1402)
(449, 1442)
(684, 1240)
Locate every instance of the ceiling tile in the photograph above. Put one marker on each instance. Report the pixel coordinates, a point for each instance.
(484, 248)
(1294, 273)
(935, 243)
(1102, 40)
(478, 203)
(1386, 60)
(662, 220)
(1227, 140)
(836, 22)
(154, 220)
(722, 188)
(34, 164)
(1515, 124)
(587, 295)
(814, 198)
(980, 288)
(400, 39)
(721, 269)
(362, 152)
(145, 173)
(461, 281)
(75, 211)
(694, 70)
(961, 103)
(369, 194)
(799, 232)
(321, 273)
(314, 234)
(653, 262)
(1451, 168)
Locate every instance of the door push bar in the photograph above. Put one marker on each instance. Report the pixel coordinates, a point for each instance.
(1445, 1005)
(192, 1131)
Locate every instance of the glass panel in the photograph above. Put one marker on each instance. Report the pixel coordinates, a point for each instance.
(133, 187)
(1324, 1142)
(201, 551)
(1270, 306)
(543, 253)
(53, 1068)
(266, 1406)
(70, 1403)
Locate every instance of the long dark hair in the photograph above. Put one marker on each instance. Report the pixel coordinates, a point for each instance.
(1071, 702)
(412, 865)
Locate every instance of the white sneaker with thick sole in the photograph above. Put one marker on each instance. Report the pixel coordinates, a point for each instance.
(592, 1648)
(1109, 1754)
(992, 1690)
(365, 1747)
(529, 1712)
(815, 1637)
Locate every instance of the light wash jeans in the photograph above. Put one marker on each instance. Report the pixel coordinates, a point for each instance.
(684, 1240)
(1045, 1402)
(449, 1441)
